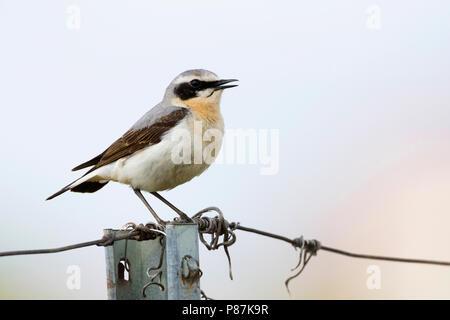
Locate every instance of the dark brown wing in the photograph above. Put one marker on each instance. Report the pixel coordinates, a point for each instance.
(136, 139)
(89, 163)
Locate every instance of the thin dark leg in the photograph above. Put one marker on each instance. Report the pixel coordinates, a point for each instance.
(139, 194)
(183, 215)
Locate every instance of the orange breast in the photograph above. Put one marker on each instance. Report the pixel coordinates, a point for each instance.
(204, 109)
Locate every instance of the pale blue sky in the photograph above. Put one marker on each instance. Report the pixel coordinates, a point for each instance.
(363, 116)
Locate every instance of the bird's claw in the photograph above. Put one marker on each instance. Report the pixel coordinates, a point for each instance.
(183, 218)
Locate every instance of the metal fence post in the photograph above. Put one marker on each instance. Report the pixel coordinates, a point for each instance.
(183, 270)
(179, 272)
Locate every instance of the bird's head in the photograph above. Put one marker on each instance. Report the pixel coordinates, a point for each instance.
(196, 89)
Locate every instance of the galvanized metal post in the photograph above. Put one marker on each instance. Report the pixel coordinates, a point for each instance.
(128, 261)
(183, 269)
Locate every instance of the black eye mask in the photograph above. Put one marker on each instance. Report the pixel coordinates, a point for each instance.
(187, 90)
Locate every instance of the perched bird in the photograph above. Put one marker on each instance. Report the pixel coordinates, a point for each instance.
(143, 156)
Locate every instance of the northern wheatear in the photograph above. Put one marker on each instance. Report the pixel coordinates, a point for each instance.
(142, 157)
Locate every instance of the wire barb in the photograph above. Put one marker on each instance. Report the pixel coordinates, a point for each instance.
(193, 274)
(308, 248)
(159, 273)
(216, 227)
(204, 296)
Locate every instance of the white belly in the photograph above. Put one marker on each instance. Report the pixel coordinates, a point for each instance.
(154, 169)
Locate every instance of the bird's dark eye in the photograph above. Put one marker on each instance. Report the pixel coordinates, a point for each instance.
(195, 83)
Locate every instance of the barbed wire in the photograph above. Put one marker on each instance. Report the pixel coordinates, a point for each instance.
(297, 242)
(218, 227)
(140, 232)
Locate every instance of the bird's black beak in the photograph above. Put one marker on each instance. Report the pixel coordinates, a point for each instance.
(219, 85)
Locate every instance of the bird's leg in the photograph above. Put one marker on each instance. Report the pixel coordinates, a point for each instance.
(183, 215)
(158, 219)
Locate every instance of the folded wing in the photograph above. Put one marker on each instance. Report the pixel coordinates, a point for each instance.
(147, 131)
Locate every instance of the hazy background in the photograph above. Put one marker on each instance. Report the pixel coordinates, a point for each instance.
(363, 116)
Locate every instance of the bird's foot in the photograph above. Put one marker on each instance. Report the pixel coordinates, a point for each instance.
(162, 222)
(183, 218)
